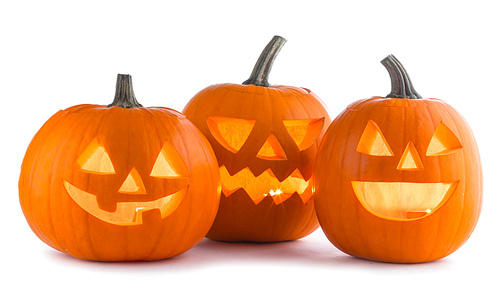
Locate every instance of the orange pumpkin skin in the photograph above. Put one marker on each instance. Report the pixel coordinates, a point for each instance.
(348, 175)
(242, 216)
(265, 138)
(55, 186)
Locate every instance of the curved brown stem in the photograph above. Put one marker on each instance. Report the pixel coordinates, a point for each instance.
(124, 95)
(400, 81)
(262, 68)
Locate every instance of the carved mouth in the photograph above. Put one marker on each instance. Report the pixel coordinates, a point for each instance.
(266, 185)
(402, 200)
(126, 213)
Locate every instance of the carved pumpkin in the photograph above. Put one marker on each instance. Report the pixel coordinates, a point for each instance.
(265, 139)
(121, 182)
(398, 179)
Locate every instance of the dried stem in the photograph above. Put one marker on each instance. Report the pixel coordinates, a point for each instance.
(260, 73)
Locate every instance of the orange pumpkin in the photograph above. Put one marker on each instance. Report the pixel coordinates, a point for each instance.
(121, 182)
(265, 139)
(398, 179)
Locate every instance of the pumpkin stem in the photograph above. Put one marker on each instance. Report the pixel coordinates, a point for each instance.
(400, 81)
(124, 95)
(262, 68)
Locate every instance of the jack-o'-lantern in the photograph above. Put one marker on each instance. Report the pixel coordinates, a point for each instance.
(265, 139)
(121, 182)
(398, 179)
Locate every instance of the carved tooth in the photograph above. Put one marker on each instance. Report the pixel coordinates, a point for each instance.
(147, 215)
(106, 204)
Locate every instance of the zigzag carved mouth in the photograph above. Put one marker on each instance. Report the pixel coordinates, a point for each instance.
(266, 185)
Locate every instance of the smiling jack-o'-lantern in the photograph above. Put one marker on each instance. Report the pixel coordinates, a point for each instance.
(121, 182)
(398, 179)
(265, 139)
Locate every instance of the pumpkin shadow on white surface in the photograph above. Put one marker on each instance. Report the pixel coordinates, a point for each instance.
(313, 251)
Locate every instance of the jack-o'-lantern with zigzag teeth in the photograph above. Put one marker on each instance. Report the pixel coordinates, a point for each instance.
(265, 139)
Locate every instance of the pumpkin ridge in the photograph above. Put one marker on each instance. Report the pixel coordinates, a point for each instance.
(51, 197)
(358, 231)
(445, 107)
(268, 107)
(52, 157)
(97, 111)
(27, 181)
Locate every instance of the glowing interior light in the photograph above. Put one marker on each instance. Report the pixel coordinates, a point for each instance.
(133, 184)
(169, 163)
(304, 132)
(272, 149)
(95, 159)
(410, 159)
(277, 192)
(373, 142)
(231, 133)
(258, 187)
(402, 200)
(126, 213)
(443, 142)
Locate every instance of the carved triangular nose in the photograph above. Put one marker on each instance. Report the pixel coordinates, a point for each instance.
(133, 184)
(410, 159)
(272, 149)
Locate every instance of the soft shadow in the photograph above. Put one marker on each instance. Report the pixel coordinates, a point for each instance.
(314, 250)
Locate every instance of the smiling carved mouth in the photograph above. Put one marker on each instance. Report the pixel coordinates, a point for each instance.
(126, 213)
(265, 185)
(402, 200)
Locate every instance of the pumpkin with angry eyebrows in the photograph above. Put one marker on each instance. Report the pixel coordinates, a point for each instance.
(265, 139)
(398, 179)
(121, 182)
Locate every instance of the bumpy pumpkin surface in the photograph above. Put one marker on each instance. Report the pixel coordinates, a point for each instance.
(265, 139)
(398, 179)
(118, 184)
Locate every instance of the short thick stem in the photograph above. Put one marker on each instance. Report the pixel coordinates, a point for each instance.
(124, 95)
(260, 73)
(400, 81)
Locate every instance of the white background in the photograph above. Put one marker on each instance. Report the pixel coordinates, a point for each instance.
(56, 54)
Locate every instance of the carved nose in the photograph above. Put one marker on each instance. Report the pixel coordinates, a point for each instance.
(133, 184)
(272, 149)
(410, 159)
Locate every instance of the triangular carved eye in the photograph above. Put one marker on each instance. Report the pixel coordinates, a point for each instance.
(410, 159)
(169, 163)
(133, 184)
(304, 132)
(372, 141)
(443, 142)
(272, 150)
(95, 159)
(231, 133)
